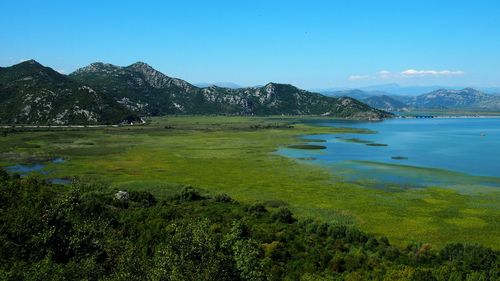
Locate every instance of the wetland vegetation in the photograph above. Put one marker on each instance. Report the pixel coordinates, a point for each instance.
(91, 231)
(237, 156)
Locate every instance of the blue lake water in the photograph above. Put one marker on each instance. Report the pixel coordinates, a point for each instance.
(464, 145)
(38, 168)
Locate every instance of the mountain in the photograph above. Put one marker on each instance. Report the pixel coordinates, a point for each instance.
(396, 89)
(33, 94)
(353, 93)
(375, 99)
(229, 85)
(385, 102)
(138, 87)
(147, 91)
(465, 98)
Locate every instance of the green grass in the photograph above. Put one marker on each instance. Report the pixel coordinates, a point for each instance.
(236, 155)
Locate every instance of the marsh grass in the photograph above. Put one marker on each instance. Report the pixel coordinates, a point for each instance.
(235, 156)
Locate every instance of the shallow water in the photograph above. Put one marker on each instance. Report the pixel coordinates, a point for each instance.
(24, 169)
(468, 146)
(38, 168)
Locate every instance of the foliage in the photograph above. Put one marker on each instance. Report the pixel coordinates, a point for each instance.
(51, 232)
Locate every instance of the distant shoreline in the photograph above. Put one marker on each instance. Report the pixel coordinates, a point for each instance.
(447, 116)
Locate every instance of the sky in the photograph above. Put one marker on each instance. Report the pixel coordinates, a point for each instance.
(310, 44)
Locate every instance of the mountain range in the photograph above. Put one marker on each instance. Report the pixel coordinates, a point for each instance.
(396, 89)
(467, 98)
(108, 94)
(230, 85)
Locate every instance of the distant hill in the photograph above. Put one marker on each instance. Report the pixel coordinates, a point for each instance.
(386, 103)
(467, 98)
(396, 89)
(375, 99)
(229, 85)
(147, 91)
(33, 94)
(354, 93)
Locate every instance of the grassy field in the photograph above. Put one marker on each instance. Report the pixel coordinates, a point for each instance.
(236, 155)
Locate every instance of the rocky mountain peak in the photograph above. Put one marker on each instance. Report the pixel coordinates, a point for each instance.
(31, 64)
(152, 76)
(31, 61)
(140, 65)
(270, 88)
(97, 67)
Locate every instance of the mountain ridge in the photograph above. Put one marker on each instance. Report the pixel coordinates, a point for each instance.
(466, 98)
(103, 93)
(132, 86)
(31, 93)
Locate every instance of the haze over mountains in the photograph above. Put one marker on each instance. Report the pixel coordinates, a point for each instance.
(467, 98)
(108, 94)
(396, 89)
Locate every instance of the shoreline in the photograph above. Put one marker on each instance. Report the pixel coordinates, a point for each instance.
(448, 117)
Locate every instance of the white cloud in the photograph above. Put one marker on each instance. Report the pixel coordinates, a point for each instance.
(435, 73)
(62, 71)
(384, 74)
(359, 77)
(406, 74)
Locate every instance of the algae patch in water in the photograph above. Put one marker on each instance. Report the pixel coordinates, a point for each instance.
(307, 146)
(377, 144)
(353, 140)
(399, 158)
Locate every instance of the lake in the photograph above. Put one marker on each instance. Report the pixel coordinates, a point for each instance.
(414, 151)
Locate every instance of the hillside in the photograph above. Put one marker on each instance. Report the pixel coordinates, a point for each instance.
(33, 94)
(465, 98)
(354, 93)
(375, 99)
(385, 102)
(147, 91)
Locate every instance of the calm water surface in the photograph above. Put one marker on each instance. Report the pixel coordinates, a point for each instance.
(464, 145)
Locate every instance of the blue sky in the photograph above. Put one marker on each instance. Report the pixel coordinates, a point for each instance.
(311, 44)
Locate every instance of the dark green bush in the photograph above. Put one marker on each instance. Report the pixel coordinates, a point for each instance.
(52, 232)
(223, 198)
(283, 215)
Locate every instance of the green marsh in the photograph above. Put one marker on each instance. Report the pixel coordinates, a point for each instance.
(236, 155)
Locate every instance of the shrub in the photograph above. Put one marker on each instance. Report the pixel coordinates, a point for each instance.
(146, 199)
(223, 198)
(257, 208)
(283, 215)
(187, 194)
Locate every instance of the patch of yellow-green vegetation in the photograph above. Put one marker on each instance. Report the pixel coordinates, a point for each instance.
(235, 155)
(467, 222)
(462, 182)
